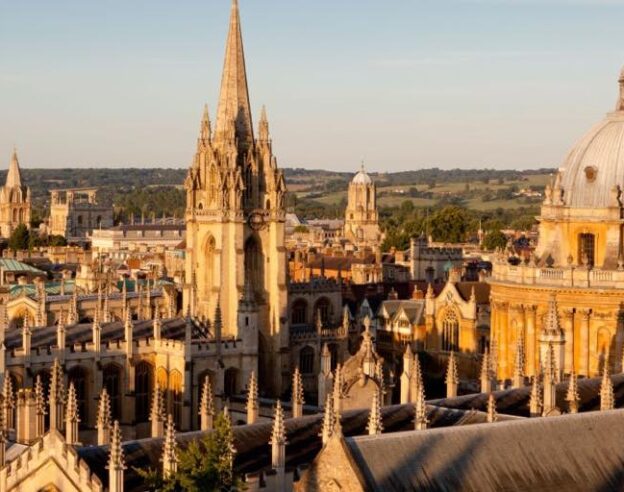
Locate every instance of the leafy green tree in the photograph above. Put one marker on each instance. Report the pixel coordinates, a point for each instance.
(493, 240)
(301, 228)
(20, 238)
(205, 465)
(57, 240)
(450, 224)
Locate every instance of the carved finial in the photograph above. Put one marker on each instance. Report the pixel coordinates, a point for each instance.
(116, 465)
(452, 379)
(104, 418)
(329, 418)
(572, 396)
(157, 412)
(486, 373)
(535, 402)
(72, 417)
(206, 406)
(518, 374)
(297, 394)
(252, 399)
(420, 409)
(607, 400)
(157, 324)
(56, 396)
(278, 434)
(338, 390)
(416, 379)
(375, 425)
(40, 406)
(170, 455)
(492, 416)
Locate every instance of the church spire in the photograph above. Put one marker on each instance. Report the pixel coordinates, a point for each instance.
(14, 176)
(234, 97)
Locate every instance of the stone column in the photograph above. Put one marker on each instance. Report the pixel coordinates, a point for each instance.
(584, 343)
(529, 346)
(568, 326)
(503, 360)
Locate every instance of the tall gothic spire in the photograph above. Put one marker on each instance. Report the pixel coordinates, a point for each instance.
(14, 176)
(234, 98)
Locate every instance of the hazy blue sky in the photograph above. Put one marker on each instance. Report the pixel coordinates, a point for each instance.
(403, 84)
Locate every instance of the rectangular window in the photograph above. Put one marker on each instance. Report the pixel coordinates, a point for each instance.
(586, 249)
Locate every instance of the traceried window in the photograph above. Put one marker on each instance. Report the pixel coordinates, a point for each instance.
(111, 378)
(78, 376)
(299, 314)
(306, 360)
(450, 331)
(142, 391)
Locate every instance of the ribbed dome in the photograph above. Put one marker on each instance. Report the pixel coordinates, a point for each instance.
(595, 165)
(362, 177)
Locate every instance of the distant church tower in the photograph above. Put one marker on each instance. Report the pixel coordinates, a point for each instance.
(14, 200)
(235, 221)
(361, 219)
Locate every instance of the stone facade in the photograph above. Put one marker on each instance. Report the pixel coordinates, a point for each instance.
(75, 213)
(361, 219)
(235, 220)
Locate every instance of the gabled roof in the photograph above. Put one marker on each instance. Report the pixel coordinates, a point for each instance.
(12, 265)
(572, 452)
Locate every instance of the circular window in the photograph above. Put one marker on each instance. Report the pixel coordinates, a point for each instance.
(590, 173)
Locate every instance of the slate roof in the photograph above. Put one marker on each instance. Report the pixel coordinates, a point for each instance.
(253, 452)
(12, 265)
(482, 291)
(579, 452)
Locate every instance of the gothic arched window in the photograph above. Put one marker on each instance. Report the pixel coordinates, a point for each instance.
(254, 264)
(323, 308)
(78, 376)
(450, 331)
(306, 360)
(299, 314)
(142, 391)
(230, 382)
(175, 391)
(111, 379)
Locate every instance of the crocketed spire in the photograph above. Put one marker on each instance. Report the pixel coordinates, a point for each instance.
(40, 406)
(551, 323)
(116, 465)
(607, 400)
(486, 373)
(549, 383)
(415, 379)
(518, 374)
(329, 420)
(375, 425)
(14, 175)
(72, 417)
(297, 394)
(452, 379)
(8, 402)
(206, 406)
(492, 416)
(56, 396)
(157, 324)
(572, 396)
(234, 107)
(420, 409)
(338, 389)
(252, 399)
(157, 412)
(535, 402)
(170, 455)
(104, 418)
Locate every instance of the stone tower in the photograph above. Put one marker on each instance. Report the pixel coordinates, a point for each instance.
(361, 218)
(14, 200)
(235, 219)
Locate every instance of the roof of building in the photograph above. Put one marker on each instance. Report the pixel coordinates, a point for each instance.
(253, 452)
(51, 288)
(481, 290)
(595, 165)
(572, 452)
(362, 177)
(13, 265)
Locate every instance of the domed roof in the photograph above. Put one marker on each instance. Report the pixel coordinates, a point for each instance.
(362, 177)
(595, 165)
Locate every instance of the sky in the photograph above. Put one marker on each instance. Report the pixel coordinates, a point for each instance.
(399, 84)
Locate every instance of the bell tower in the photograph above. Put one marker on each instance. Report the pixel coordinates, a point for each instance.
(235, 218)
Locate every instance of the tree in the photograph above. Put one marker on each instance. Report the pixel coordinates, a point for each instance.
(205, 465)
(494, 239)
(20, 238)
(57, 240)
(450, 224)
